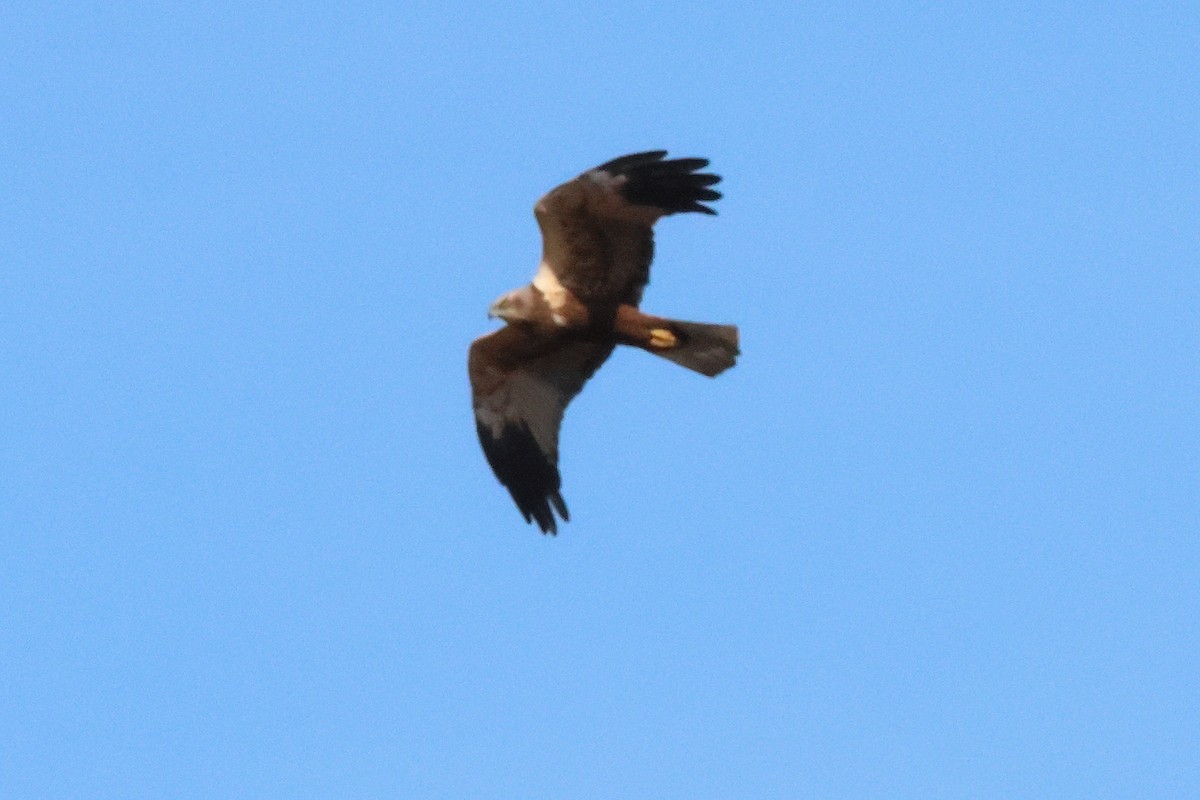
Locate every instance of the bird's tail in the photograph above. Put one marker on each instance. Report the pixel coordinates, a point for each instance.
(700, 346)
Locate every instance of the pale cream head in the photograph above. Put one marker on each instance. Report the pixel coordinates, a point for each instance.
(519, 305)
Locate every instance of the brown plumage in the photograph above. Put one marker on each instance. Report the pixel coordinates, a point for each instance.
(598, 242)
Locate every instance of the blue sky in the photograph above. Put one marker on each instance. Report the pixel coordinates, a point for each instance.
(935, 536)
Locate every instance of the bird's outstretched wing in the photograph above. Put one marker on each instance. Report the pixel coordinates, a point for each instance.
(521, 383)
(597, 236)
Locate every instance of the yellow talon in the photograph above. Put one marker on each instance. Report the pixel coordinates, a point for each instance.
(662, 339)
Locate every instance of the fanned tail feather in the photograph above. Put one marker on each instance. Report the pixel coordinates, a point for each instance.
(703, 347)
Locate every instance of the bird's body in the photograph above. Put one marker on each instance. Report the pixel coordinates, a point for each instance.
(597, 234)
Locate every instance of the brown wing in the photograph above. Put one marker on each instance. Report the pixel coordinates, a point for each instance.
(521, 383)
(597, 230)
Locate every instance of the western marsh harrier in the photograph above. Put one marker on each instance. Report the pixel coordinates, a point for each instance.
(597, 244)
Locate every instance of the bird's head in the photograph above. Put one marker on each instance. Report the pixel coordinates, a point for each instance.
(519, 305)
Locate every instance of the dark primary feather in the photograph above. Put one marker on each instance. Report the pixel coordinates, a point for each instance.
(530, 477)
(672, 185)
(617, 165)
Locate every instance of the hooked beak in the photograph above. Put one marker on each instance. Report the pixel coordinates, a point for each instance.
(494, 310)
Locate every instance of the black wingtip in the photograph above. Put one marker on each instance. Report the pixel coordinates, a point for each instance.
(673, 186)
(528, 474)
(622, 163)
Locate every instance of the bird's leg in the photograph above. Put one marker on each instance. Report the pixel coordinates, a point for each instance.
(642, 330)
(662, 339)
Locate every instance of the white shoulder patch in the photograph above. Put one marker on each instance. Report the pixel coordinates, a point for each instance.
(557, 296)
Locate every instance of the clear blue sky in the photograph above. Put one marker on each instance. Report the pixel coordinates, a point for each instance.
(935, 537)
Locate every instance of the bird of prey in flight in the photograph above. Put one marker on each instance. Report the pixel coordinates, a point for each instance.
(597, 244)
